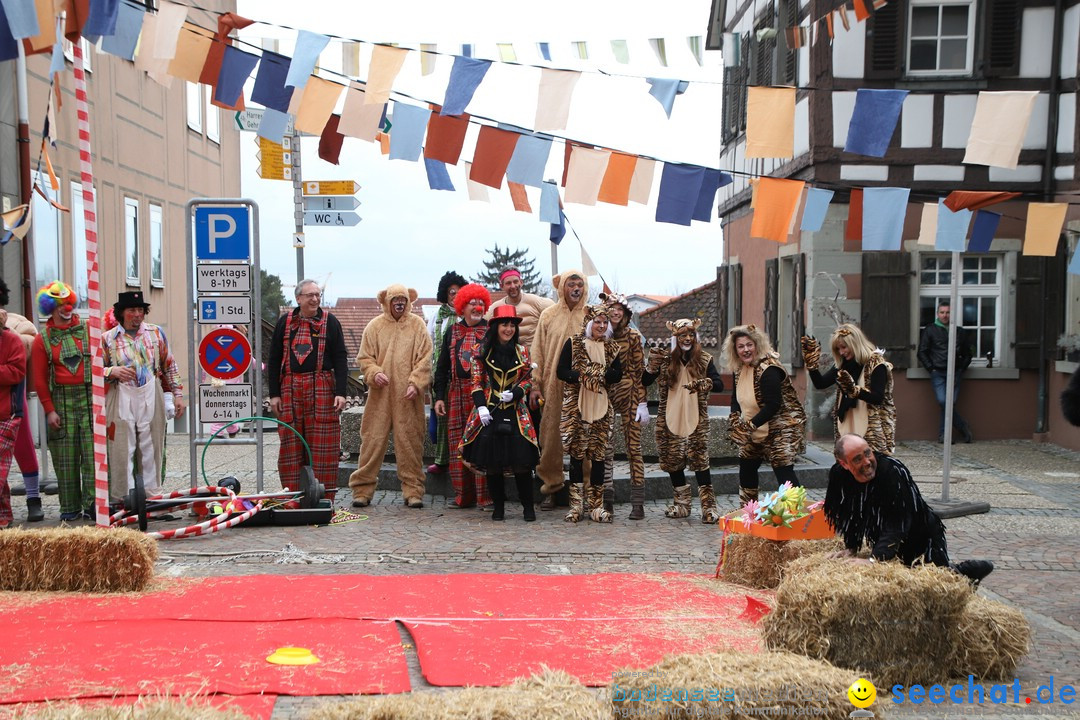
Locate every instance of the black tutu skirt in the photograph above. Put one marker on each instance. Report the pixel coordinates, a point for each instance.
(495, 449)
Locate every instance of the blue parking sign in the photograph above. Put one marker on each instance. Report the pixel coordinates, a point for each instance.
(209, 309)
(222, 233)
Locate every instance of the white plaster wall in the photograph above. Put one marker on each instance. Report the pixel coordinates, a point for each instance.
(802, 127)
(1066, 123)
(878, 173)
(917, 122)
(1065, 173)
(849, 50)
(843, 105)
(959, 112)
(804, 66)
(1035, 50)
(1023, 173)
(1035, 137)
(953, 173)
(1070, 42)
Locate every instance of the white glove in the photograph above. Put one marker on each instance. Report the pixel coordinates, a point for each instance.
(484, 414)
(643, 416)
(506, 396)
(170, 406)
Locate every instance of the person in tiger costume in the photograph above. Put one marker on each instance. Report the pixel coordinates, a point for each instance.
(628, 400)
(767, 421)
(687, 376)
(588, 366)
(557, 323)
(864, 387)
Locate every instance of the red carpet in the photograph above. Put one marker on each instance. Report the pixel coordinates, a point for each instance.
(211, 636)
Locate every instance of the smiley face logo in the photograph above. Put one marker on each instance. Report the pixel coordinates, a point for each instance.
(862, 693)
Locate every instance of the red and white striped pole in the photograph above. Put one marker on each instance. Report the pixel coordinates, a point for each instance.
(86, 169)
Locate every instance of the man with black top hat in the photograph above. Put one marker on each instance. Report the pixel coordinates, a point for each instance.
(139, 368)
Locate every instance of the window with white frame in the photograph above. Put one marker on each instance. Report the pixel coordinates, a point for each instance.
(979, 298)
(80, 277)
(941, 37)
(194, 107)
(213, 117)
(157, 268)
(131, 245)
(69, 54)
(46, 236)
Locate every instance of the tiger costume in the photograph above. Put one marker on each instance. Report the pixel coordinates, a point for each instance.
(588, 366)
(628, 400)
(687, 376)
(767, 420)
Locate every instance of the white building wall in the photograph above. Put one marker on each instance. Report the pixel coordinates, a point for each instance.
(1022, 173)
(1066, 123)
(802, 127)
(1070, 42)
(1035, 137)
(1035, 50)
(917, 122)
(949, 173)
(959, 114)
(843, 106)
(849, 49)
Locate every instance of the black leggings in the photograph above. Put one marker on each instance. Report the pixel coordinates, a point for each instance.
(748, 473)
(577, 472)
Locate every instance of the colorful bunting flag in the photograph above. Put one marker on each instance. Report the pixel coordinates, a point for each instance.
(407, 137)
(331, 140)
(9, 46)
(817, 204)
(477, 192)
(558, 230)
(983, 230)
(665, 90)
(713, 181)
(976, 200)
(305, 55)
(553, 99)
(465, 77)
(615, 188)
(549, 202)
(585, 174)
(386, 62)
(170, 19)
(445, 137)
(529, 160)
(316, 105)
(1074, 264)
(427, 58)
(861, 11)
(641, 182)
(1043, 230)
(928, 225)
(519, 197)
(359, 120)
(236, 67)
(777, 201)
(121, 43)
(952, 228)
(884, 209)
(273, 124)
(270, 90)
(587, 265)
(874, 121)
(22, 19)
(621, 51)
(844, 19)
(192, 46)
(659, 47)
(545, 50)
(506, 52)
(732, 49)
(680, 186)
(438, 177)
(770, 122)
(46, 36)
(494, 148)
(853, 229)
(101, 20)
(998, 129)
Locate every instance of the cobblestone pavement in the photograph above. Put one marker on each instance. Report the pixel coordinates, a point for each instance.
(1032, 534)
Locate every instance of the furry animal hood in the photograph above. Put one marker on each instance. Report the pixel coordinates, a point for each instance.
(559, 282)
(393, 291)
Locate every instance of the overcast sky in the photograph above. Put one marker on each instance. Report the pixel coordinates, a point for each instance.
(411, 234)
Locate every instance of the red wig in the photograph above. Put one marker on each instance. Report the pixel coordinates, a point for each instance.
(467, 294)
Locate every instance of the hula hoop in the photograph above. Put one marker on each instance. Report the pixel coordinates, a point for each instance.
(281, 423)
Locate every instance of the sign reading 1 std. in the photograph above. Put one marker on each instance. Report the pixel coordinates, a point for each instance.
(223, 277)
(224, 309)
(224, 403)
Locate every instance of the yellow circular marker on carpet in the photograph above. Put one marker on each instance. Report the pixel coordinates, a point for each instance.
(292, 656)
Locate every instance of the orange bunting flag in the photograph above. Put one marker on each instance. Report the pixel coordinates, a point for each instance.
(1043, 229)
(861, 11)
(519, 197)
(853, 229)
(192, 47)
(770, 122)
(615, 189)
(829, 27)
(976, 200)
(385, 65)
(844, 19)
(317, 104)
(494, 148)
(777, 201)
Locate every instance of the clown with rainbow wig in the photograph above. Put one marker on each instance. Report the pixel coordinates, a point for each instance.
(61, 367)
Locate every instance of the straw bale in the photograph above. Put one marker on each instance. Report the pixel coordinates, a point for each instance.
(154, 708)
(84, 559)
(733, 684)
(548, 695)
(899, 624)
(992, 639)
(758, 562)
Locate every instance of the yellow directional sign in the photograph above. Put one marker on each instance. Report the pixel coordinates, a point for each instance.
(330, 187)
(275, 161)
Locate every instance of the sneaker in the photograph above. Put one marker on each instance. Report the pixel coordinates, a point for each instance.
(70, 515)
(435, 469)
(974, 570)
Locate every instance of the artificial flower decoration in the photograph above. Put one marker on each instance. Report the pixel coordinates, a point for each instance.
(778, 509)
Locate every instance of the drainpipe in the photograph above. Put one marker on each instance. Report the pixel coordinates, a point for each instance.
(25, 191)
(1049, 162)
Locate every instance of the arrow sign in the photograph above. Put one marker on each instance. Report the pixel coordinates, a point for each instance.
(330, 187)
(331, 219)
(249, 120)
(224, 353)
(331, 202)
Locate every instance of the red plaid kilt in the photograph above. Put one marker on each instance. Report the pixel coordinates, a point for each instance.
(469, 488)
(9, 429)
(307, 403)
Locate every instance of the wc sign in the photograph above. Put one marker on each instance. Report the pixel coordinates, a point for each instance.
(222, 233)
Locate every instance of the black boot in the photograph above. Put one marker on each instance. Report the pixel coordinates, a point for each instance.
(497, 488)
(33, 510)
(525, 494)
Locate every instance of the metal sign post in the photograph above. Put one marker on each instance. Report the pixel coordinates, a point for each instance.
(223, 287)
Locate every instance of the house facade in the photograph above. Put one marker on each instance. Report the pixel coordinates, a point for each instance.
(1014, 307)
(155, 147)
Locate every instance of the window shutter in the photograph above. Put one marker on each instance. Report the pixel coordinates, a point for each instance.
(1039, 291)
(736, 295)
(772, 268)
(886, 42)
(788, 58)
(722, 302)
(798, 302)
(886, 304)
(1001, 38)
(714, 39)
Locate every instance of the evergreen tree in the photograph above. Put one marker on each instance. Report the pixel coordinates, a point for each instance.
(501, 259)
(273, 297)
